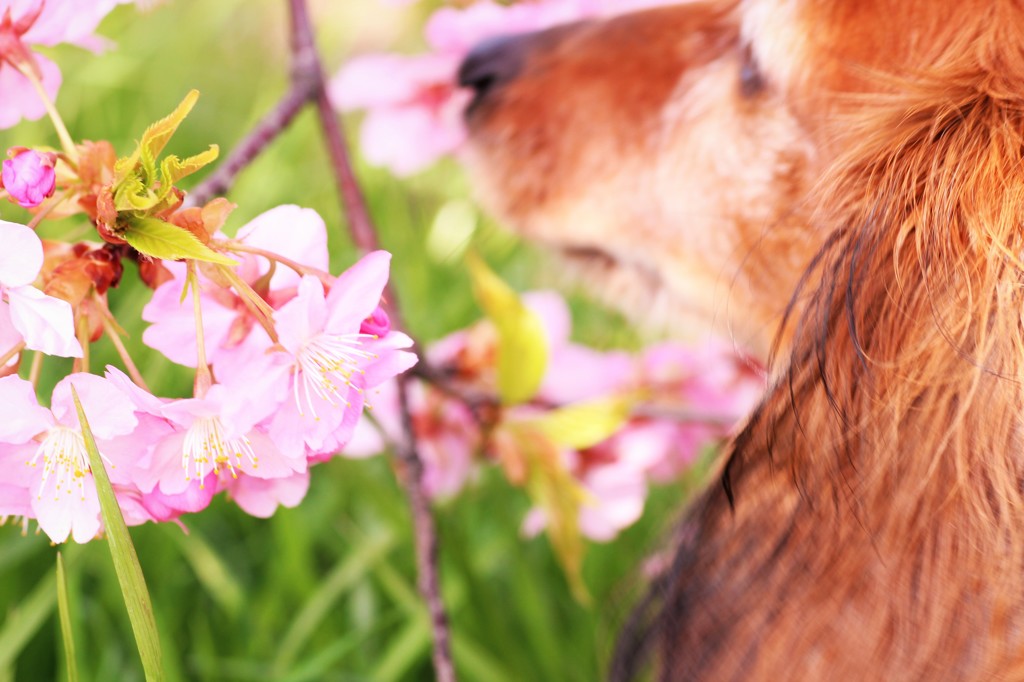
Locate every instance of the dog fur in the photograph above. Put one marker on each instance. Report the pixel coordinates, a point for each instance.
(838, 184)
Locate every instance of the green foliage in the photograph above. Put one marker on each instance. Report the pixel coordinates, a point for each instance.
(159, 239)
(522, 341)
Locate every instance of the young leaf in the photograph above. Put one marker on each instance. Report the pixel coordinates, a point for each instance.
(126, 561)
(158, 239)
(584, 424)
(173, 169)
(154, 140)
(553, 488)
(64, 610)
(522, 342)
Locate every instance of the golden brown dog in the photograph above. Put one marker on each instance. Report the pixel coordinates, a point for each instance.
(843, 179)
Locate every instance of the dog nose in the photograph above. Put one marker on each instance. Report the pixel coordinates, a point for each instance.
(491, 64)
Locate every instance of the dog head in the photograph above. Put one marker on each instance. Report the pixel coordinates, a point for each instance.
(676, 155)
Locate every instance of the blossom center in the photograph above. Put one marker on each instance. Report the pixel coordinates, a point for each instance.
(65, 460)
(206, 448)
(324, 368)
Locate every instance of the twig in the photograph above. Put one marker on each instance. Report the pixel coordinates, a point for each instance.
(306, 64)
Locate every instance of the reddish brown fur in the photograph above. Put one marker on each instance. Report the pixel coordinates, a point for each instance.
(870, 524)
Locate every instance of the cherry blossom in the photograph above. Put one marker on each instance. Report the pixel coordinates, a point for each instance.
(44, 322)
(42, 451)
(28, 177)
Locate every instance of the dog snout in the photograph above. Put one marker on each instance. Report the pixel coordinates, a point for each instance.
(490, 65)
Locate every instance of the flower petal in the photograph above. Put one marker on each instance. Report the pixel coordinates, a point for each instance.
(22, 255)
(23, 418)
(45, 322)
(356, 293)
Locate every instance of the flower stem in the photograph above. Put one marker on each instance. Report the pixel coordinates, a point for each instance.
(240, 247)
(58, 123)
(82, 330)
(263, 313)
(203, 377)
(111, 328)
(6, 357)
(47, 209)
(37, 367)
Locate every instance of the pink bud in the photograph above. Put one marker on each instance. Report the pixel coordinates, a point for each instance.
(377, 324)
(28, 176)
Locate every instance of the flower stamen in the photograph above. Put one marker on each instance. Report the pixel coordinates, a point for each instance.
(206, 448)
(65, 459)
(324, 367)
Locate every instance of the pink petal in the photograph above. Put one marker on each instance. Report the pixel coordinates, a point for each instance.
(109, 411)
(20, 100)
(261, 497)
(45, 322)
(356, 293)
(23, 418)
(69, 514)
(296, 233)
(173, 331)
(304, 316)
(21, 256)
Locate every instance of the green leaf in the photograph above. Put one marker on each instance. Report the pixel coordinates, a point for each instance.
(522, 341)
(553, 488)
(65, 620)
(126, 561)
(584, 424)
(173, 169)
(24, 621)
(159, 239)
(154, 140)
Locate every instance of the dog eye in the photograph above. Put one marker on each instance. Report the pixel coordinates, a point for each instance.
(751, 79)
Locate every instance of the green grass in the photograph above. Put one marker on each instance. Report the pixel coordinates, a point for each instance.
(326, 591)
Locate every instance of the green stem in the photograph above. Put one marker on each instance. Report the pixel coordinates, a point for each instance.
(58, 123)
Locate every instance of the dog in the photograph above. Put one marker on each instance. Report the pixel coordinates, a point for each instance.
(839, 186)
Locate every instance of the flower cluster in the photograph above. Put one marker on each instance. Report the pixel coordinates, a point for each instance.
(284, 352)
(674, 400)
(291, 379)
(414, 107)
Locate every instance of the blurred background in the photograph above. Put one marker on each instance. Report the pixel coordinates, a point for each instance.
(325, 591)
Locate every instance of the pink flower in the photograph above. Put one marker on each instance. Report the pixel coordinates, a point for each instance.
(414, 110)
(24, 23)
(45, 323)
(28, 177)
(42, 451)
(327, 364)
(290, 231)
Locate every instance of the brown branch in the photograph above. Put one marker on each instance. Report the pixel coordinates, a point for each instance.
(308, 85)
(306, 64)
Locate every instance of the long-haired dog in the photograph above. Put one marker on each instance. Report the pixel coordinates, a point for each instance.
(839, 185)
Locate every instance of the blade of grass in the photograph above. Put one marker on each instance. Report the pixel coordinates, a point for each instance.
(210, 569)
(24, 621)
(64, 609)
(406, 649)
(126, 562)
(338, 581)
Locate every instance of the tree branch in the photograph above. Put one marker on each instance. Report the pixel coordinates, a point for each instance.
(306, 64)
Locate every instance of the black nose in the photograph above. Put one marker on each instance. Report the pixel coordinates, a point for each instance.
(491, 64)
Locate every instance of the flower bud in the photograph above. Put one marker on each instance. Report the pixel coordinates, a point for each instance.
(377, 324)
(28, 176)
